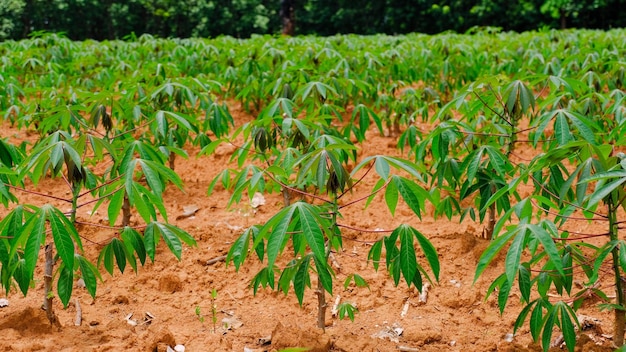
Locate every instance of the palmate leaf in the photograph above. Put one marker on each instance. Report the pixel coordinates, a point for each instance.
(518, 91)
(347, 309)
(403, 262)
(565, 323)
(172, 235)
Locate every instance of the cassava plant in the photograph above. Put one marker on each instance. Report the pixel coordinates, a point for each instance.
(313, 228)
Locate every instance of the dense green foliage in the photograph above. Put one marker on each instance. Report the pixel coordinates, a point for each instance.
(111, 19)
(459, 106)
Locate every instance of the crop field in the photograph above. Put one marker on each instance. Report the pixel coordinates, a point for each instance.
(346, 193)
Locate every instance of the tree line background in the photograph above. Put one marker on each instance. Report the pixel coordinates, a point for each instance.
(113, 19)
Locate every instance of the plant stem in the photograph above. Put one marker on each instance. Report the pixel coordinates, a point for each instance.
(172, 160)
(321, 305)
(491, 221)
(620, 317)
(126, 211)
(48, 296)
(286, 197)
(75, 195)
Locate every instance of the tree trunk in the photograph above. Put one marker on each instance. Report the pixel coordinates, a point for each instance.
(563, 18)
(287, 15)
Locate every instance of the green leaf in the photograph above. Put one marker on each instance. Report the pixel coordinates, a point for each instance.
(567, 327)
(171, 238)
(120, 255)
(115, 206)
(561, 130)
(324, 274)
(546, 336)
(474, 164)
(601, 192)
(309, 222)
(513, 257)
(503, 295)
(374, 253)
(382, 168)
(150, 240)
(134, 243)
(524, 283)
(549, 246)
(301, 279)
(494, 248)
(239, 250)
(287, 276)
(601, 255)
(358, 281)
(36, 225)
(89, 274)
(408, 262)
(62, 239)
(412, 194)
(522, 316)
(279, 224)
(347, 309)
(152, 177)
(65, 284)
(391, 197)
(536, 321)
(21, 275)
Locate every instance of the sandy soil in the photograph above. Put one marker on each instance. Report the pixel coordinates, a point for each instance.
(163, 296)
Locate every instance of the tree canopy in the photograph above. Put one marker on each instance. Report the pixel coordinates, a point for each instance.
(113, 19)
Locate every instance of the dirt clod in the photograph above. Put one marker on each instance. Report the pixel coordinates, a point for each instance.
(121, 299)
(421, 335)
(291, 336)
(170, 283)
(159, 339)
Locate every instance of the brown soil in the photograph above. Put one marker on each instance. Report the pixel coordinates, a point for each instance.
(163, 296)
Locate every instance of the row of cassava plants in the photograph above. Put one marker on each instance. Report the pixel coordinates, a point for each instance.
(362, 70)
